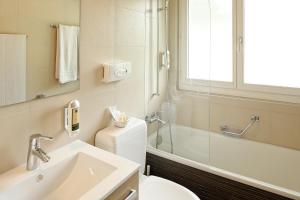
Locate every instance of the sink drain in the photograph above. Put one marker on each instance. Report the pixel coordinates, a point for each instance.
(39, 178)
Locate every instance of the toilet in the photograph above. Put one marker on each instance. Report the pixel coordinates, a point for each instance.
(131, 142)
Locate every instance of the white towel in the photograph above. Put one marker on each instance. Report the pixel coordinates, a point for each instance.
(12, 68)
(67, 53)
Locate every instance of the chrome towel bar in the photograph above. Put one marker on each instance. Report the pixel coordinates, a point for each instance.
(53, 25)
(239, 133)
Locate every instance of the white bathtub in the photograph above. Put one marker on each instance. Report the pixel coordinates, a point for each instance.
(271, 168)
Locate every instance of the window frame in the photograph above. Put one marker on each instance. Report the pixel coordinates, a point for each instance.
(240, 63)
(237, 87)
(195, 84)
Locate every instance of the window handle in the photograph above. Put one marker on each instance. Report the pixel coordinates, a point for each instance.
(241, 42)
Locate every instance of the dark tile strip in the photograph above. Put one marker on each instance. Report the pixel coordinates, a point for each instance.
(206, 185)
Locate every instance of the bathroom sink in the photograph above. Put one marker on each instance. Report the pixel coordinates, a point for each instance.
(61, 180)
(76, 171)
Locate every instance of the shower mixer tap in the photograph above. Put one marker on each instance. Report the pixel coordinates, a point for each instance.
(154, 117)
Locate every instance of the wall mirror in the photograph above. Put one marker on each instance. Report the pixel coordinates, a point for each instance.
(39, 49)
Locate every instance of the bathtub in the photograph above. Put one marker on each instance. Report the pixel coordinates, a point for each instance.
(271, 168)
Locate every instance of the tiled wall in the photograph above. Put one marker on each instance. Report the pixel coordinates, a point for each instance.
(279, 123)
(110, 30)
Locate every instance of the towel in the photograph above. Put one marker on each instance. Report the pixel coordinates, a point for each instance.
(12, 68)
(67, 53)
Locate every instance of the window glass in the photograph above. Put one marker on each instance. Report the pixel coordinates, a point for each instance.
(272, 42)
(210, 40)
(198, 39)
(221, 41)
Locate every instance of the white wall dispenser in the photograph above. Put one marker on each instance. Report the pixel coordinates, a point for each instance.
(116, 71)
(72, 118)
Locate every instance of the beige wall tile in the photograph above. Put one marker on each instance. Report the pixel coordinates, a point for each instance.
(136, 5)
(279, 122)
(184, 110)
(97, 23)
(129, 28)
(278, 125)
(285, 129)
(14, 139)
(8, 7)
(11, 111)
(131, 99)
(200, 113)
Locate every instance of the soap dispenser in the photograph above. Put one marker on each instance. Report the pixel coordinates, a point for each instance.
(72, 118)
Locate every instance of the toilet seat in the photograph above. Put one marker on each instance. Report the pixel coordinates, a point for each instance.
(155, 188)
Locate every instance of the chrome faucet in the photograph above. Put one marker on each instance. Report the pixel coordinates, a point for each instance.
(154, 117)
(35, 152)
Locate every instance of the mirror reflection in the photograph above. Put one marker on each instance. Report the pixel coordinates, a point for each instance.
(39, 42)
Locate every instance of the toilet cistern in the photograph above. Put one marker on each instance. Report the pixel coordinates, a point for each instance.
(35, 152)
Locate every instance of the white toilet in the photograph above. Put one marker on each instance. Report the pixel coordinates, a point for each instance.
(130, 142)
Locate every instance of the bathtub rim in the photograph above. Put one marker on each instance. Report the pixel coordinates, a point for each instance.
(226, 174)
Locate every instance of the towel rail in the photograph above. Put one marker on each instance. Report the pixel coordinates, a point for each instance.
(53, 26)
(239, 133)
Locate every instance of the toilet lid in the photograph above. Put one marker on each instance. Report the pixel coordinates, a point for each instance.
(155, 188)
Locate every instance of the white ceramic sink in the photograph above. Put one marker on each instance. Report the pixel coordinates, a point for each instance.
(76, 171)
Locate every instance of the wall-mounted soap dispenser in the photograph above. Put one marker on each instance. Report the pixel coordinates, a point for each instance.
(72, 118)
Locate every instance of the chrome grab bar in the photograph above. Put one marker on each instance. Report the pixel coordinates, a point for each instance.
(239, 133)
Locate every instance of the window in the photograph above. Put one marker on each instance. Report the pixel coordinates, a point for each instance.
(198, 40)
(247, 48)
(272, 42)
(210, 40)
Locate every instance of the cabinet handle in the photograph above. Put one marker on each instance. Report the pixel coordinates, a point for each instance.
(132, 195)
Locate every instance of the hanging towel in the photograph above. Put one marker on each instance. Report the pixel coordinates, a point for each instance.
(12, 68)
(67, 53)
